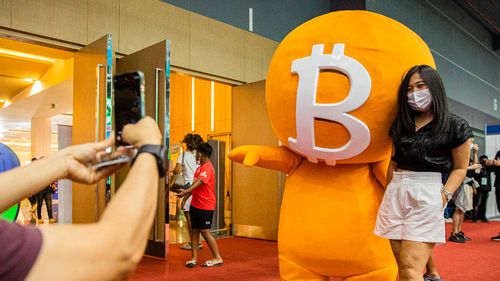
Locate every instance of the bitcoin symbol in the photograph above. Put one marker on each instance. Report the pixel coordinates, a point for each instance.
(307, 109)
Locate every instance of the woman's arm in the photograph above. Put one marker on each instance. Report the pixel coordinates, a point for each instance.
(177, 168)
(460, 157)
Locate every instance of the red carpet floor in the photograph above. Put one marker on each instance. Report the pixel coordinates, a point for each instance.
(251, 259)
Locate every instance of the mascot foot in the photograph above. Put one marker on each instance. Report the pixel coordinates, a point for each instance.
(385, 274)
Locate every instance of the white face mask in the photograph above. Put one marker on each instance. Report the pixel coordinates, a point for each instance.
(420, 100)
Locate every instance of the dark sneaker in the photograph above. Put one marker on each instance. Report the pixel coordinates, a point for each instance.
(485, 220)
(462, 235)
(428, 277)
(496, 238)
(456, 238)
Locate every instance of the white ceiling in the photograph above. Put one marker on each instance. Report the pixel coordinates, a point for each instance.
(15, 119)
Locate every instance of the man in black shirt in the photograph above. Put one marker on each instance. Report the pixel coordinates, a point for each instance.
(483, 177)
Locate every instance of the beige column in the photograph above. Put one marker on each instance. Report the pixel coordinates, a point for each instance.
(65, 211)
(40, 137)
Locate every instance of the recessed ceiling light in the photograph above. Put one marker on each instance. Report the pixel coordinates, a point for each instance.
(26, 55)
(30, 80)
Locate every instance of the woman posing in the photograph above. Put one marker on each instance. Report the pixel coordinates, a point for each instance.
(428, 142)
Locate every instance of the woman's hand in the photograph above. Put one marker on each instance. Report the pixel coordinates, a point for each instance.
(444, 198)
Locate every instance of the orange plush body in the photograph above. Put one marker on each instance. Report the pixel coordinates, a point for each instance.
(330, 204)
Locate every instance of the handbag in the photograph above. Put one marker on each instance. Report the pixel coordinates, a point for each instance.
(178, 181)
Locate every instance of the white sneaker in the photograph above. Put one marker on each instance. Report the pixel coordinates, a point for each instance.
(187, 246)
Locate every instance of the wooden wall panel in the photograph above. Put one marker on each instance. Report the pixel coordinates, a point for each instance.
(180, 106)
(253, 57)
(103, 18)
(268, 48)
(143, 23)
(222, 108)
(202, 107)
(60, 19)
(216, 48)
(254, 218)
(5, 9)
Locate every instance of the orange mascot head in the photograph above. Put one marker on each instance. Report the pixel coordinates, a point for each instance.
(332, 85)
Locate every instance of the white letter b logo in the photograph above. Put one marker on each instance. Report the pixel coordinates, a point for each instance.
(307, 110)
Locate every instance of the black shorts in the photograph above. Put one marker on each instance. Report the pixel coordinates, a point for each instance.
(200, 219)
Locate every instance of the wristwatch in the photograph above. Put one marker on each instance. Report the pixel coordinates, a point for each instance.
(159, 152)
(448, 194)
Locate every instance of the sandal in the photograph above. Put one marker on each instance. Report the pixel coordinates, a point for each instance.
(190, 263)
(211, 263)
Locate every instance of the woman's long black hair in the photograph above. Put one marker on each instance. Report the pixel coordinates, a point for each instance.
(404, 125)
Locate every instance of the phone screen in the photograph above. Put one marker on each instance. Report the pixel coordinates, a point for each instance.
(128, 101)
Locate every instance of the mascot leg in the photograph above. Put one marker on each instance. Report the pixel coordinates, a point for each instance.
(292, 271)
(385, 274)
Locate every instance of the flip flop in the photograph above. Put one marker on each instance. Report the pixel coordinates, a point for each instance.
(211, 263)
(190, 263)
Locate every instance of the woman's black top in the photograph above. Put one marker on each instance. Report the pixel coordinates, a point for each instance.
(425, 151)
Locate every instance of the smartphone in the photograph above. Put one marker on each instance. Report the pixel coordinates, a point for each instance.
(128, 109)
(119, 160)
(129, 105)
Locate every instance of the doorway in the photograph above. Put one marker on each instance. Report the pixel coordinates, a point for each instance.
(200, 106)
(35, 99)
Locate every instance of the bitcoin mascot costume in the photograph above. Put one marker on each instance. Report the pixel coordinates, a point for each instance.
(331, 95)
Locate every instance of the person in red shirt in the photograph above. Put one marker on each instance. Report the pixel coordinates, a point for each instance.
(202, 206)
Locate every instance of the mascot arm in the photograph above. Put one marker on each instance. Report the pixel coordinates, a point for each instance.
(270, 157)
(381, 171)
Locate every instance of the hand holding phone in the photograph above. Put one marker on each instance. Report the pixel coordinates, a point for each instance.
(116, 161)
(125, 155)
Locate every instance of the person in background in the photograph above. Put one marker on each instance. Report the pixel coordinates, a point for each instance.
(33, 201)
(463, 198)
(428, 141)
(106, 250)
(497, 188)
(45, 195)
(496, 162)
(186, 163)
(203, 206)
(483, 177)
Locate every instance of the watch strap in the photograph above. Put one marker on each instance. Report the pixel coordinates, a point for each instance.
(158, 151)
(448, 194)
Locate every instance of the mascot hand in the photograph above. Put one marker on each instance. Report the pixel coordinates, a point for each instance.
(247, 154)
(270, 157)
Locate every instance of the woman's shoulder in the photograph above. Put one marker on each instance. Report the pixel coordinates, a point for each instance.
(460, 131)
(457, 121)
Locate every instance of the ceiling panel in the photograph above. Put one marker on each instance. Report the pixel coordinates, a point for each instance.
(22, 68)
(11, 86)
